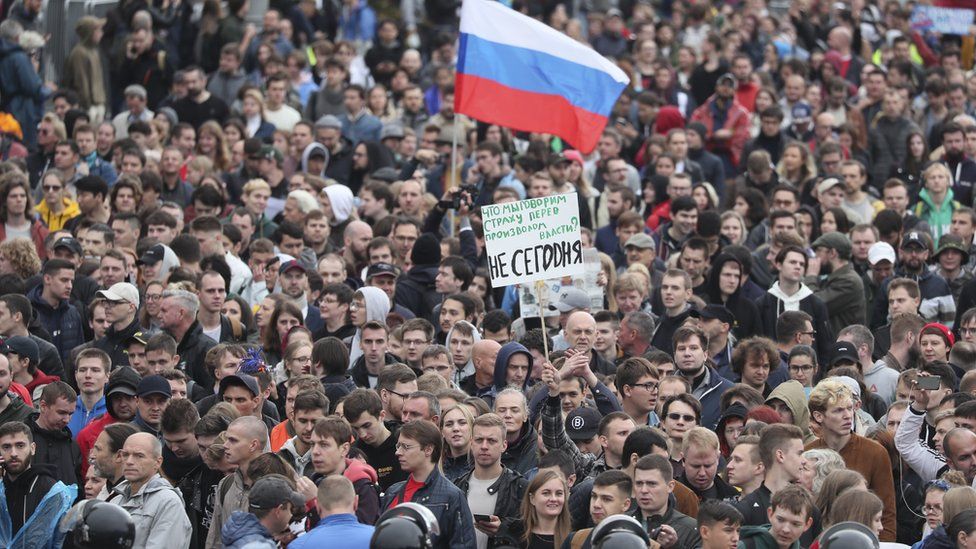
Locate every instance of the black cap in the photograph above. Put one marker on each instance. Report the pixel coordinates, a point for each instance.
(252, 147)
(23, 346)
(70, 243)
(154, 385)
(915, 238)
(124, 380)
(843, 351)
(382, 269)
(240, 380)
(153, 255)
(718, 312)
(582, 423)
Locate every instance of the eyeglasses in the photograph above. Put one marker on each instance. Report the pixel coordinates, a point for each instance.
(930, 509)
(404, 447)
(302, 359)
(802, 368)
(650, 386)
(686, 418)
(811, 333)
(401, 395)
(414, 342)
(967, 331)
(51, 187)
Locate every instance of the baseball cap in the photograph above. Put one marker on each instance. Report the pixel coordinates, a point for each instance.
(69, 242)
(153, 255)
(121, 291)
(239, 380)
(727, 79)
(23, 346)
(268, 152)
(582, 423)
(828, 183)
(569, 299)
(915, 238)
(382, 269)
(717, 312)
(271, 491)
(614, 12)
(154, 385)
(851, 384)
(124, 380)
(290, 265)
(881, 251)
(841, 351)
(641, 240)
(138, 337)
(835, 241)
(802, 112)
(394, 131)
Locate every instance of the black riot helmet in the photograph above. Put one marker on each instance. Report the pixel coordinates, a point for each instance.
(620, 532)
(406, 526)
(849, 535)
(98, 524)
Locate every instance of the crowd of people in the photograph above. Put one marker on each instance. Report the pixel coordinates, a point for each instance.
(244, 300)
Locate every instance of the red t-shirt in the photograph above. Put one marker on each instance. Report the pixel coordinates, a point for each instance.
(408, 491)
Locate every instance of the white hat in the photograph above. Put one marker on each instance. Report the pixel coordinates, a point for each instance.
(121, 291)
(880, 251)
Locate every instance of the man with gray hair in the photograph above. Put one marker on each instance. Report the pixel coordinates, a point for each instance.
(21, 88)
(878, 377)
(635, 333)
(178, 316)
(155, 506)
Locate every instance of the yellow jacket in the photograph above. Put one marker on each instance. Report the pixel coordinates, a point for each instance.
(54, 221)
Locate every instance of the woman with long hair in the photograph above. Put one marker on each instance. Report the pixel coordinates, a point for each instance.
(733, 227)
(751, 204)
(286, 316)
(544, 520)
(17, 213)
(237, 308)
(834, 220)
(765, 97)
(212, 144)
(858, 506)
(456, 428)
(378, 103)
(836, 483)
(367, 157)
(796, 166)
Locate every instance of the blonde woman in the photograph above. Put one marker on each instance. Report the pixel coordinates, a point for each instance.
(213, 144)
(252, 105)
(733, 228)
(57, 207)
(935, 202)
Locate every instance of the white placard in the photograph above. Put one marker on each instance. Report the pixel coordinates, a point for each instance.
(533, 239)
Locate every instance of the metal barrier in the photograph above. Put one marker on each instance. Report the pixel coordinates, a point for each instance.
(60, 19)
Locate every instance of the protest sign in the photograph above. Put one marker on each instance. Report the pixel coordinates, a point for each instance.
(531, 296)
(533, 239)
(944, 20)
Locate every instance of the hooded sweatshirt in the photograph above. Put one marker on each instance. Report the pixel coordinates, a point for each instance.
(938, 216)
(169, 262)
(732, 412)
(243, 530)
(793, 395)
(504, 356)
(313, 146)
(83, 68)
(377, 307)
(341, 200)
(469, 367)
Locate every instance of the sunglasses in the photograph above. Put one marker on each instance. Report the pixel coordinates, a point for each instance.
(686, 418)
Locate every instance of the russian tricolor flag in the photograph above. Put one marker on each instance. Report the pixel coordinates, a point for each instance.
(520, 73)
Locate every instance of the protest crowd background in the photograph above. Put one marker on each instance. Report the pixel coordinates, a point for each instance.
(251, 292)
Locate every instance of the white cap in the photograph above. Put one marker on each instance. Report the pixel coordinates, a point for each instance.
(121, 291)
(880, 251)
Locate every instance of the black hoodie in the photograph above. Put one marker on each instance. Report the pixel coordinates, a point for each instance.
(25, 492)
(57, 449)
(745, 312)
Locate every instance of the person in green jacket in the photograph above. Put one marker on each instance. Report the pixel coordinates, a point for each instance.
(935, 201)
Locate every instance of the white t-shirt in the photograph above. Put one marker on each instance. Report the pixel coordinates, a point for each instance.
(481, 503)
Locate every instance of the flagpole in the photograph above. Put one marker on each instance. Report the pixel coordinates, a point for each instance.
(454, 174)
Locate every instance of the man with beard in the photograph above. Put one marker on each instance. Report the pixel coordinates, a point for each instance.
(841, 290)
(26, 485)
(937, 304)
(199, 105)
(725, 140)
(963, 169)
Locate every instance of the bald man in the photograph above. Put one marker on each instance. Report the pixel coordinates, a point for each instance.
(960, 451)
(355, 239)
(247, 438)
(155, 506)
(580, 335)
(482, 382)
